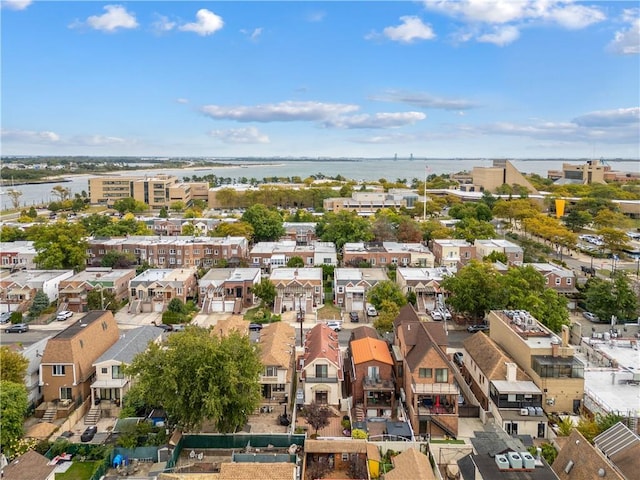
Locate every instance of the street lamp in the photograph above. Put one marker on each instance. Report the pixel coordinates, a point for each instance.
(637, 265)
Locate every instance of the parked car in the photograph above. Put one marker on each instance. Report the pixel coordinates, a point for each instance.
(371, 311)
(17, 328)
(88, 433)
(63, 315)
(590, 316)
(335, 325)
(179, 327)
(164, 326)
(436, 315)
(354, 317)
(477, 328)
(255, 327)
(5, 317)
(458, 358)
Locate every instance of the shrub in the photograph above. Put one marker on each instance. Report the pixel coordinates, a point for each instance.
(16, 317)
(346, 424)
(359, 434)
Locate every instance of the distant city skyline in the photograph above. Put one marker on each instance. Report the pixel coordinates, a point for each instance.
(432, 79)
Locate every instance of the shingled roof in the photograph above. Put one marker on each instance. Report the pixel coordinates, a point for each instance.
(491, 360)
(322, 342)
(30, 466)
(277, 344)
(411, 464)
(227, 325)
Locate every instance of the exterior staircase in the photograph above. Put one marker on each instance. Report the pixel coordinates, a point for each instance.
(93, 416)
(359, 411)
(50, 414)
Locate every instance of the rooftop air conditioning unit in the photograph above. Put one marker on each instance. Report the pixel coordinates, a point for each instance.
(524, 411)
(502, 462)
(515, 460)
(528, 461)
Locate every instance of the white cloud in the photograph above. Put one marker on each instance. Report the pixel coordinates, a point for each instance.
(29, 136)
(116, 17)
(609, 118)
(279, 112)
(501, 36)
(316, 16)
(183, 101)
(15, 4)
(96, 140)
(252, 34)
(378, 120)
(627, 40)
(240, 136)
(399, 138)
(574, 17)
(424, 100)
(206, 23)
(412, 28)
(162, 24)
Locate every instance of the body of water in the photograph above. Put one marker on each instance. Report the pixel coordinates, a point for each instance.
(367, 170)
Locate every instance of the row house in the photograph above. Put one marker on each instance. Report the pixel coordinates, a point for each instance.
(153, 289)
(228, 289)
(350, 286)
(67, 369)
(173, 226)
(18, 289)
(17, 255)
(560, 279)
(371, 381)
(424, 283)
(271, 255)
(174, 252)
(452, 253)
(277, 348)
(513, 251)
(426, 379)
(297, 289)
(502, 388)
(230, 325)
(73, 291)
(303, 233)
(320, 368)
(111, 384)
(547, 359)
(383, 254)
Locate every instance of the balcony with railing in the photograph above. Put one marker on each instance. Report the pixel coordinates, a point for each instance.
(377, 383)
(321, 379)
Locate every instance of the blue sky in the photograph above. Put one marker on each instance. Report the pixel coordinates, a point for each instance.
(444, 78)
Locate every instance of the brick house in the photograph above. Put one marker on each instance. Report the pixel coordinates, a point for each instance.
(18, 289)
(452, 253)
(370, 378)
(228, 289)
(428, 388)
(73, 291)
(277, 347)
(153, 289)
(297, 289)
(513, 251)
(350, 286)
(338, 455)
(424, 282)
(382, 254)
(272, 255)
(67, 368)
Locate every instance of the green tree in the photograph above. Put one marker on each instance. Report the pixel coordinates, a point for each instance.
(265, 291)
(267, 224)
(95, 222)
(177, 206)
(14, 366)
(471, 229)
(576, 219)
(295, 262)
(32, 213)
(613, 239)
(105, 300)
(40, 304)
(386, 315)
(130, 205)
(13, 407)
(61, 192)
(474, 289)
(386, 291)
(163, 213)
(606, 298)
(60, 246)
(11, 234)
(496, 256)
(188, 229)
(343, 227)
(234, 229)
(176, 306)
(118, 259)
(607, 218)
(196, 376)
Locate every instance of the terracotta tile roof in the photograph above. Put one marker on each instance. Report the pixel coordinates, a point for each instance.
(30, 466)
(277, 344)
(491, 360)
(368, 349)
(83, 342)
(227, 325)
(587, 460)
(335, 446)
(322, 342)
(410, 464)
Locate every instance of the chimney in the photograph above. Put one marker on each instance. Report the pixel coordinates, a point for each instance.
(512, 369)
(555, 347)
(565, 336)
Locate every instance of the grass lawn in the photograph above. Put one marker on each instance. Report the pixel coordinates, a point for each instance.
(329, 312)
(79, 471)
(455, 442)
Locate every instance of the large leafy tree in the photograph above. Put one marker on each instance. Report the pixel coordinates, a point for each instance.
(60, 245)
(317, 415)
(14, 365)
(386, 315)
(577, 219)
(474, 289)
(385, 291)
(13, 407)
(265, 291)
(197, 376)
(613, 239)
(99, 300)
(266, 223)
(606, 298)
(130, 205)
(471, 229)
(233, 229)
(344, 227)
(11, 234)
